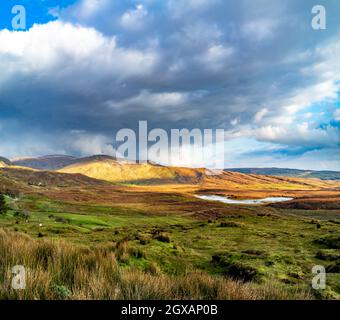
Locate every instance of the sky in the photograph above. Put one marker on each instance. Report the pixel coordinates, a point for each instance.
(83, 69)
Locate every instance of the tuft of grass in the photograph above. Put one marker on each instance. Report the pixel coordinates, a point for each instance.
(327, 255)
(60, 271)
(230, 224)
(163, 237)
(236, 269)
(330, 242)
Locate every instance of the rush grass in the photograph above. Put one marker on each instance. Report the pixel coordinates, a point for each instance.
(57, 270)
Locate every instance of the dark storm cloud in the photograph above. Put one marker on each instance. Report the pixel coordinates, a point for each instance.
(249, 67)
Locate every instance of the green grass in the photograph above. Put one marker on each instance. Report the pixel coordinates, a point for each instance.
(281, 246)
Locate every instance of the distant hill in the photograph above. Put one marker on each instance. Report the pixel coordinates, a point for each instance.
(19, 179)
(323, 175)
(4, 162)
(52, 162)
(110, 169)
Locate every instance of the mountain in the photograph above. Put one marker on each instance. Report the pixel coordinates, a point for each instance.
(323, 175)
(52, 162)
(4, 162)
(20, 179)
(109, 169)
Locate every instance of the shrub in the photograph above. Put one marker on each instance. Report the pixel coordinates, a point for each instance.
(331, 242)
(137, 253)
(258, 253)
(334, 221)
(236, 269)
(144, 241)
(22, 214)
(61, 220)
(296, 275)
(324, 255)
(334, 268)
(163, 237)
(61, 292)
(242, 272)
(3, 205)
(153, 268)
(229, 224)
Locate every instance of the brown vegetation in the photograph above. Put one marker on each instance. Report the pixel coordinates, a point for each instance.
(63, 271)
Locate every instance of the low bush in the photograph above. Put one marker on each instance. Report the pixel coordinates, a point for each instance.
(163, 237)
(229, 224)
(328, 256)
(236, 269)
(334, 268)
(330, 242)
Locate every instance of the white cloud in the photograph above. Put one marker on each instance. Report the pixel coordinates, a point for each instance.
(71, 75)
(134, 19)
(260, 114)
(216, 56)
(300, 135)
(303, 98)
(89, 144)
(336, 115)
(85, 10)
(152, 100)
(199, 33)
(181, 8)
(234, 121)
(68, 49)
(89, 8)
(259, 29)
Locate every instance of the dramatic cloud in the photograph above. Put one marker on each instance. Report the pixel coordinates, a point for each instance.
(254, 68)
(134, 19)
(337, 115)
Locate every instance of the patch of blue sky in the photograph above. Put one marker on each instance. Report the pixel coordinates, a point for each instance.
(282, 150)
(319, 112)
(37, 12)
(250, 146)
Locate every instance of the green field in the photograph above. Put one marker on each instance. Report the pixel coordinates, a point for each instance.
(260, 246)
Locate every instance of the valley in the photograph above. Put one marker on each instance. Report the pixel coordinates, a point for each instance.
(138, 231)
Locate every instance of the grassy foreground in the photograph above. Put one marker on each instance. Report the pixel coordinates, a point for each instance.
(82, 251)
(56, 270)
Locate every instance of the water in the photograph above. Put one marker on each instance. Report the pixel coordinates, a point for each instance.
(248, 201)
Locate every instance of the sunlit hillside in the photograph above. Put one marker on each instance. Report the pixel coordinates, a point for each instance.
(109, 169)
(116, 171)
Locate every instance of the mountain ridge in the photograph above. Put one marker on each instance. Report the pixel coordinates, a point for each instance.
(289, 172)
(49, 162)
(110, 168)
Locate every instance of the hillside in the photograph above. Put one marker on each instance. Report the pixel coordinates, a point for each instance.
(52, 162)
(323, 175)
(4, 162)
(109, 169)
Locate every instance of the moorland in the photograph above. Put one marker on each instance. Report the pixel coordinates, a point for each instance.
(98, 228)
